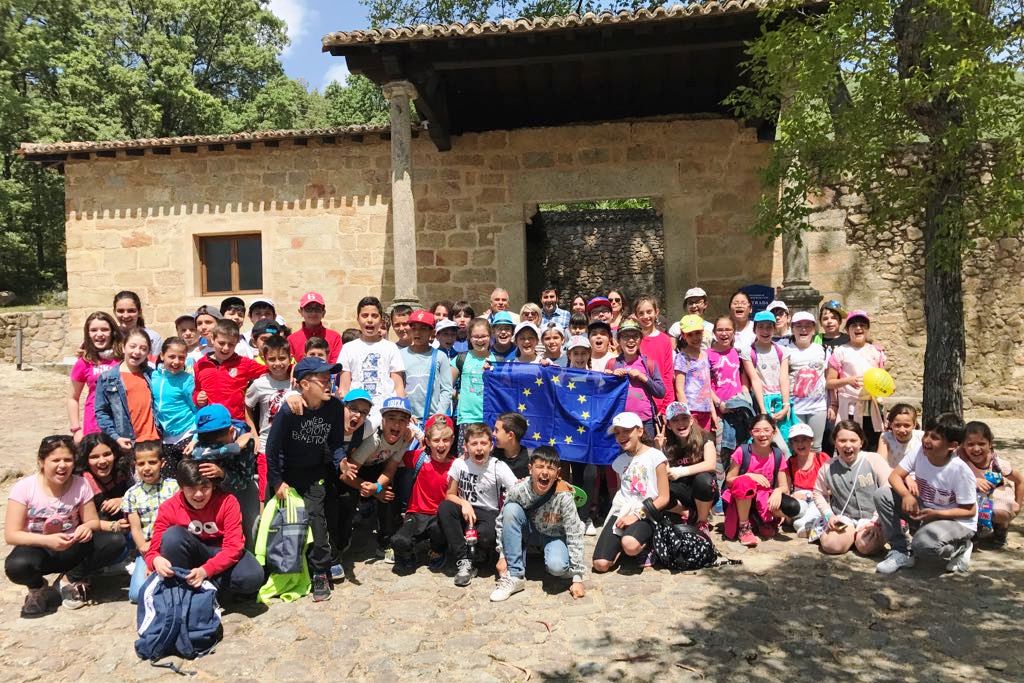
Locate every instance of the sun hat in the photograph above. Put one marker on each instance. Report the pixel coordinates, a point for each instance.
(695, 293)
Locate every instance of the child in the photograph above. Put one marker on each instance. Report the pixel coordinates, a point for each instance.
(371, 363)
(107, 471)
(430, 467)
(262, 309)
(553, 338)
(223, 376)
(991, 476)
(781, 312)
(186, 330)
(831, 316)
(175, 409)
(428, 372)
(767, 365)
(503, 328)
(369, 471)
(902, 436)
(296, 460)
(350, 334)
(400, 314)
(643, 491)
(469, 374)
(691, 456)
(462, 313)
(128, 311)
(731, 390)
(509, 430)
(696, 302)
(807, 376)
(657, 346)
(441, 309)
(645, 383)
(757, 486)
(475, 485)
(229, 457)
(804, 465)
(577, 350)
(578, 353)
(206, 317)
(312, 309)
(526, 337)
(264, 399)
(577, 325)
(101, 350)
(941, 497)
(199, 529)
(599, 334)
(844, 493)
(600, 309)
(233, 308)
(52, 527)
(446, 333)
(140, 504)
(539, 511)
(845, 376)
(317, 347)
(264, 330)
(740, 308)
(693, 374)
(125, 405)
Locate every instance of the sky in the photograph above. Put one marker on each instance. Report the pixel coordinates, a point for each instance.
(308, 21)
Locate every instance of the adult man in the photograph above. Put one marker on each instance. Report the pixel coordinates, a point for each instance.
(549, 310)
(499, 302)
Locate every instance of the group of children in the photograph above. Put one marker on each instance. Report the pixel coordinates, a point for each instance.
(760, 417)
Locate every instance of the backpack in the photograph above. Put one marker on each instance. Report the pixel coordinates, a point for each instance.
(680, 546)
(753, 353)
(745, 463)
(176, 619)
(286, 536)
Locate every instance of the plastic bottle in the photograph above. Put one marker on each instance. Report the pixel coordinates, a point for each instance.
(471, 539)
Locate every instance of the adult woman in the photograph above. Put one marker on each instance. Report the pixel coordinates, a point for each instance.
(530, 313)
(128, 311)
(101, 349)
(620, 307)
(578, 304)
(740, 309)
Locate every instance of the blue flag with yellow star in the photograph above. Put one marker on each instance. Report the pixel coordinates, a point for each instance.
(566, 408)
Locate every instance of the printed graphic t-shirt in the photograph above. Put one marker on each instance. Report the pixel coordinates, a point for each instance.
(45, 514)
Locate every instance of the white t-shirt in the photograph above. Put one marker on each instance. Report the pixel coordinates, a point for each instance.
(897, 450)
(768, 365)
(371, 366)
(943, 488)
(482, 485)
(375, 450)
(745, 337)
(806, 378)
(638, 477)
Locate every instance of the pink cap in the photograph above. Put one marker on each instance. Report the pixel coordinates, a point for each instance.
(311, 298)
(422, 317)
(858, 313)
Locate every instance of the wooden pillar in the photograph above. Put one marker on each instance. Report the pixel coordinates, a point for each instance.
(403, 204)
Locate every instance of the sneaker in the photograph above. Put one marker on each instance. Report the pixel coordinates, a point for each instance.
(436, 561)
(74, 595)
(321, 587)
(704, 528)
(389, 555)
(404, 565)
(648, 560)
(465, 573)
(960, 562)
(337, 572)
(894, 561)
(746, 536)
(718, 509)
(508, 586)
(35, 603)
(590, 530)
(999, 536)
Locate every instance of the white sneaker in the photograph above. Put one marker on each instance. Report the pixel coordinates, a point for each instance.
(508, 586)
(894, 561)
(961, 560)
(591, 530)
(389, 555)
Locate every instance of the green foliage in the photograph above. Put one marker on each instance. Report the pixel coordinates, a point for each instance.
(358, 102)
(916, 104)
(631, 203)
(406, 12)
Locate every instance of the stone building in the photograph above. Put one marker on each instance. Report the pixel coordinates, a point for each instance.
(515, 115)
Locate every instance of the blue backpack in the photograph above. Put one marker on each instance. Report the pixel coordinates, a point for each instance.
(176, 619)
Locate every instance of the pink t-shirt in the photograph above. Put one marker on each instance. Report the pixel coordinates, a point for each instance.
(659, 348)
(637, 400)
(758, 465)
(45, 514)
(87, 373)
(725, 373)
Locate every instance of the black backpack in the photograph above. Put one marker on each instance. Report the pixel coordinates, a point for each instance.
(681, 547)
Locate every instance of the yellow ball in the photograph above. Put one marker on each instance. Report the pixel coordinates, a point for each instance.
(879, 383)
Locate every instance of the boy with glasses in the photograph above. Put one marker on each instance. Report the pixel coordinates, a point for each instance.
(312, 309)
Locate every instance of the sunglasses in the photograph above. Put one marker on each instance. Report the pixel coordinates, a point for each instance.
(615, 299)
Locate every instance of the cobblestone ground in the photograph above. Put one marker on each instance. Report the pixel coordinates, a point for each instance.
(786, 612)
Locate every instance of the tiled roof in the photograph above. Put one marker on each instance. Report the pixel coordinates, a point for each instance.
(441, 31)
(32, 149)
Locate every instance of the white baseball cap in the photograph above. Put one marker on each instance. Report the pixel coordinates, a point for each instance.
(803, 317)
(695, 293)
(801, 429)
(445, 324)
(626, 420)
(777, 304)
(526, 326)
(578, 341)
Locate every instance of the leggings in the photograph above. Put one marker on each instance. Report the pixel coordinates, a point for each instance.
(28, 565)
(688, 490)
(609, 545)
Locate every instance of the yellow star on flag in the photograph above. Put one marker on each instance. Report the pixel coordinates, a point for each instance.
(571, 385)
(556, 379)
(522, 407)
(539, 381)
(581, 429)
(585, 415)
(582, 398)
(568, 439)
(536, 436)
(526, 392)
(552, 441)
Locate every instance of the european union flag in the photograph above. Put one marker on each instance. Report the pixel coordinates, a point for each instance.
(567, 408)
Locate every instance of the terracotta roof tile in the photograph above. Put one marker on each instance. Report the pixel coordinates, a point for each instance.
(441, 31)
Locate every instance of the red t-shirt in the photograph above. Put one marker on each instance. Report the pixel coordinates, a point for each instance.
(804, 479)
(297, 342)
(225, 383)
(218, 523)
(431, 483)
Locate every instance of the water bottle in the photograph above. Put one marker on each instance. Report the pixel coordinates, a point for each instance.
(985, 513)
(471, 539)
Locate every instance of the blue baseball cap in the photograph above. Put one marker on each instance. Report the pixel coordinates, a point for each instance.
(310, 365)
(503, 318)
(764, 317)
(358, 395)
(212, 418)
(396, 404)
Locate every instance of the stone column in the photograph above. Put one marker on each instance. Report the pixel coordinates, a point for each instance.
(403, 204)
(796, 290)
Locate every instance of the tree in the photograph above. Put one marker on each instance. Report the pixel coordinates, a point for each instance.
(359, 102)
(406, 12)
(917, 106)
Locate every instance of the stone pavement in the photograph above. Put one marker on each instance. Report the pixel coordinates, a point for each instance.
(786, 612)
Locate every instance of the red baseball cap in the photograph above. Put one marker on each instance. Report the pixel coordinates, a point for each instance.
(423, 318)
(439, 417)
(311, 298)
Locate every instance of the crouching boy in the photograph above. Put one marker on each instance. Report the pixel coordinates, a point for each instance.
(540, 511)
(200, 529)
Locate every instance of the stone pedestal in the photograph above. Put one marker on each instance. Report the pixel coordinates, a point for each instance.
(403, 204)
(796, 290)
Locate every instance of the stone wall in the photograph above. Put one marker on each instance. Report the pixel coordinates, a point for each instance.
(323, 211)
(883, 273)
(44, 336)
(595, 250)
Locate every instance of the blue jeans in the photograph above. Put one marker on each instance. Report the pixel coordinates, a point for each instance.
(517, 533)
(138, 578)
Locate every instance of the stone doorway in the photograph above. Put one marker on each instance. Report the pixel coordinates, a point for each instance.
(589, 249)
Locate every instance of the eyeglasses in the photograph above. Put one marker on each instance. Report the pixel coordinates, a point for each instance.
(761, 430)
(358, 411)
